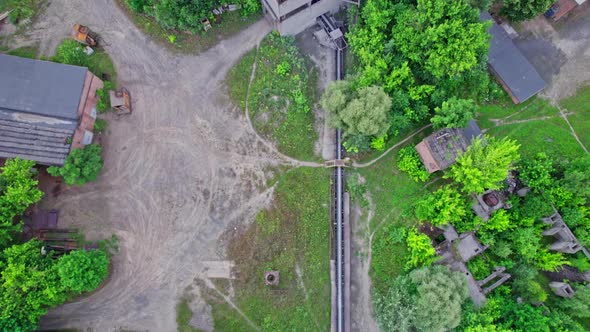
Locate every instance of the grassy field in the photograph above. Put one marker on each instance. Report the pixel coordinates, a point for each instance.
(536, 125)
(293, 237)
(232, 23)
(281, 96)
(578, 109)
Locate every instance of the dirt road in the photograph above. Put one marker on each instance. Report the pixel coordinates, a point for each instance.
(177, 172)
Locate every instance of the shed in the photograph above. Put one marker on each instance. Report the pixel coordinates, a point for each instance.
(516, 74)
(439, 150)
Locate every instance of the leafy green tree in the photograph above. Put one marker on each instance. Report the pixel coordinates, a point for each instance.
(421, 251)
(29, 285)
(83, 271)
(18, 191)
(576, 177)
(81, 165)
(550, 261)
(521, 10)
(536, 172)
(409, 161)
(526, 243)
(428, 299)
(454, 113)
(442, 207)
(72, 53)
(436, 34)
(485, 164)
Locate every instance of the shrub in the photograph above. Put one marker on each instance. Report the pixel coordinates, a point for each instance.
(100, 125)
(421, 251)
(138, 6)
(378, 143)
(454, 113)
(442, 207)
(72, 53)
(536, 173)
(83, 271)
(283, 68)
(81, 165)
(409, 161)
(103, 104)
(250, 7)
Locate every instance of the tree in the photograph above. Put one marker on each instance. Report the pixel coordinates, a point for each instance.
(29, 286)
(83, 271)
(454, 113)
(485, 164)
(521, 10)
(361, 114)
(421, 251)
(576, 177)
(536, 172)
(409, 161)
(18, 190)
(81, 165)
(428, 299)
(442, 207)
(71, 52)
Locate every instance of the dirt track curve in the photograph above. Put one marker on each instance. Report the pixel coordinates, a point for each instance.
(177, 172)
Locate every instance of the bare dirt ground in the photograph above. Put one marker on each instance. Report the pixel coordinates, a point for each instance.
(177, 172)
(559, 52)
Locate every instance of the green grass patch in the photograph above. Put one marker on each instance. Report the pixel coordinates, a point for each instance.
(281, 97)
(238, 79)
(183, 316)
(186, 42)
(30, 52)
(578, 109)
(294, 232)
(551, 136)
(100, 63)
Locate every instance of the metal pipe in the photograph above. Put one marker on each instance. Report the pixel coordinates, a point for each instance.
(339, 212)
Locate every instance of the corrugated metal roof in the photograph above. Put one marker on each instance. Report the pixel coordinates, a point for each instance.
(40, 87)
(510, 65)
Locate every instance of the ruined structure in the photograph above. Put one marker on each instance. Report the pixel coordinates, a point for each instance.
(562, 289)
(566, 240)
(439, 150)
(488, 202)
(458, 249)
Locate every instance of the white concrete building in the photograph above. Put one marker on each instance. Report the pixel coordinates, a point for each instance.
(290, 17)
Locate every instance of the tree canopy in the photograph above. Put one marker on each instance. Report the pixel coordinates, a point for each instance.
(360, 113)
(485, 164)
(83, 271)
(422, 53)
(442, 207)
(521, 10)
(81, 165)
(454, 113)
(18, 190)
(427, 299)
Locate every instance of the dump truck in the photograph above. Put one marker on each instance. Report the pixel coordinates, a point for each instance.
(84, 35)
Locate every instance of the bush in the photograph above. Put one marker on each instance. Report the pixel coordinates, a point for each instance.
(72, 53)
(138, 6)
(442, 207)
(536, 173)
(409, 161)
(100, 125)
(104, 100)
(250, 7)
(421, 251)
(83, 271)
(81, 165)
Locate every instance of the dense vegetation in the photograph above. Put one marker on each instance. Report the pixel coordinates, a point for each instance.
(426, 55)
(186, 15)
(33, 279)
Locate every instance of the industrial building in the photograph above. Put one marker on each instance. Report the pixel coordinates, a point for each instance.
(290, 17)
(46, 109)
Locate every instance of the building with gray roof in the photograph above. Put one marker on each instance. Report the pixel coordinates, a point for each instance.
(46, 109)
(516, 74)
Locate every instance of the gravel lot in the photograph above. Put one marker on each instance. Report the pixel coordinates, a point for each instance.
(177, 172)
